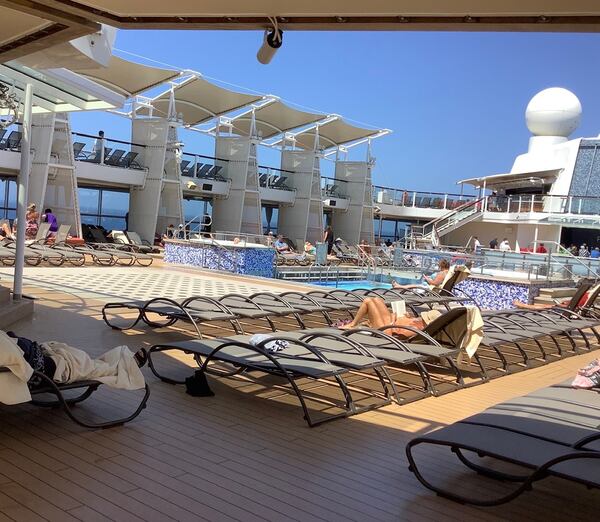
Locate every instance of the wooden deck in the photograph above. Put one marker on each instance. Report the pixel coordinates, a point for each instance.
(245, 454)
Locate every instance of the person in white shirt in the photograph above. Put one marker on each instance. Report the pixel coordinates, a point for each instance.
(476, 245)
(505, 246)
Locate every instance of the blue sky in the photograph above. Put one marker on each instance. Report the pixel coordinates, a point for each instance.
(455, 101)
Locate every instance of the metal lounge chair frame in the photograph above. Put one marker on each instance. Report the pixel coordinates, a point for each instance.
(48, 386)
(257, 358)
(505, 440)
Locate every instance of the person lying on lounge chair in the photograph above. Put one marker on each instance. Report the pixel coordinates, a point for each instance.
(64, 364)
(435, 282)
(545, 306)
(374, 312)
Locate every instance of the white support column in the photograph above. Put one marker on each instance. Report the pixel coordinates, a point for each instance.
(23, 192)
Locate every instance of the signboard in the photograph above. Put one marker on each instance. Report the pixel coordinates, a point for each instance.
(573, 221)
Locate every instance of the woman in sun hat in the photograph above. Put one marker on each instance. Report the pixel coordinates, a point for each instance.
(32, 219)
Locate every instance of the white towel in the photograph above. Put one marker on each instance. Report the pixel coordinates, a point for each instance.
(13, 384)
(277, 345)
(116, 368)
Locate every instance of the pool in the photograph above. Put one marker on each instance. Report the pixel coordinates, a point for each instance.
(353, 285)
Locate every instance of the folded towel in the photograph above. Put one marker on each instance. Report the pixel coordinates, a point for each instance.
(274, 346)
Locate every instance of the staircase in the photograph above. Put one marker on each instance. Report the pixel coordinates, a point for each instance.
(552, 295)
(13, 311)
(456, 218)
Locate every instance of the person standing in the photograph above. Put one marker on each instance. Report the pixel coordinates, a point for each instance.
(32, 219)
(98, 148)
(49, 217)
(583, 251)
(328, 238)
(476, 246)
(494, 243)
(505, 246)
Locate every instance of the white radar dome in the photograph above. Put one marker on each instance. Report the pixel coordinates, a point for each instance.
(553, 112)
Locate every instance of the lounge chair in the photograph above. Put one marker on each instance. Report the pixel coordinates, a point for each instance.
(78, 149)
(128, 161)
(141, 244)
(49, 387)
(95, 156)
(297, 362)
(98, 257)
(162, 312)
(115, 158)
(202, 169)
(550, 433)
(121, 237)
(184, 168)
(120, 253)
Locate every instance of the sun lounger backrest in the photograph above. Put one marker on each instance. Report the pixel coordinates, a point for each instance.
(135, 238)
(97, 235)
(42, 232)
(440, 325)
(62, 234)
(120, 237)
(583, 287)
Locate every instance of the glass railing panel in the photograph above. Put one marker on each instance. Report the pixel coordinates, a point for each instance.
(203, 167)
(10, 137)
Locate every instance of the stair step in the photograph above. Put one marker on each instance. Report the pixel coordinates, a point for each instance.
(545, 300)
(558, 292)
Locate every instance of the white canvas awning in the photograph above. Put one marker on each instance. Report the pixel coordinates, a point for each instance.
(493, 180)
(58, 90)
(332, 133)
(273, 118)
(198, 100)
(128, 78)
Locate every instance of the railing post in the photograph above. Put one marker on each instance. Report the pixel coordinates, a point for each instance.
(520, 201)
(532, 202)
(570, 203)
(414, 199)
(445, 200)
(508, 205)
(579, 206)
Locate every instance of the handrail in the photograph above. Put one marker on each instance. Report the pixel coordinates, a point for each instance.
(204, 156)
(458, 209)
(424, 192)
(568, 255)
(107, 139)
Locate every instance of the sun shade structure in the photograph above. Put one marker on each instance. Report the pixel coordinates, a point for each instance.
(58, 90)
(273, 118)
(128, 78)
(546, 176)
(334, 132)
(340, 15)
(27, 29)
(198, 100)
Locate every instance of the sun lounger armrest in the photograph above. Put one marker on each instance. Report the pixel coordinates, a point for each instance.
(174, 303)
(416, 331)
(243, 298)
(581, 442)
(337, 337)
(205, 299)
(378, 334)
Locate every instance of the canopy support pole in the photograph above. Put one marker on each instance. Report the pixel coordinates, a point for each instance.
(23, 193)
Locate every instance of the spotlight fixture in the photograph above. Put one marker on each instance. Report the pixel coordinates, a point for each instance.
(191, 185)
(272, 41)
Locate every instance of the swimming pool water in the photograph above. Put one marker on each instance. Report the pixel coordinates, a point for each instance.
(353, 285)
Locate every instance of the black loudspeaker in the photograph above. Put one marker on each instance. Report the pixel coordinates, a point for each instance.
(332, 202)
(207, 187)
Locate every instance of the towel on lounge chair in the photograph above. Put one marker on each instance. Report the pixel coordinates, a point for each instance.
(13, 384)
(474, 329)
(116, 368)
(274, 346)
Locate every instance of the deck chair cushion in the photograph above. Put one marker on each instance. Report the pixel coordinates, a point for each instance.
(13, 383)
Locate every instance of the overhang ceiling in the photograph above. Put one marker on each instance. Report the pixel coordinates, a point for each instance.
(29, 26)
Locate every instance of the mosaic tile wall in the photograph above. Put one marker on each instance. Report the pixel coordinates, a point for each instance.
(497, 295)
(246, 261)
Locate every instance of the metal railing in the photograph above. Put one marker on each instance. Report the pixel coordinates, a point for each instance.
(105, 151)
(541, 203)
(416, 199)
(333, 188)
(203, 167)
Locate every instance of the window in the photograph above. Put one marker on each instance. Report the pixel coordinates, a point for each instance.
(270, 219)
(8, 198)
(104, 207)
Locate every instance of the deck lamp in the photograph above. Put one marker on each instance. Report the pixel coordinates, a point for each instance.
(272, 41)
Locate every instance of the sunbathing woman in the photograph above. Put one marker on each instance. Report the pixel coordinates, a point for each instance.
(436, 281)
(375, 313)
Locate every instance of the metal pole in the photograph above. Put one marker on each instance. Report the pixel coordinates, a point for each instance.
(23, 193)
